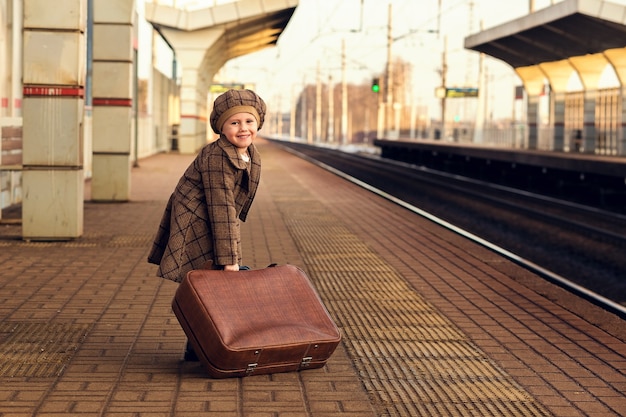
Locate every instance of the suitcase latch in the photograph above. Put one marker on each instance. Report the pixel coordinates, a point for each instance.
(306, 361)
(250, 368)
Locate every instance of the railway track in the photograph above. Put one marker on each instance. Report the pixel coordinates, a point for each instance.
(578, 247)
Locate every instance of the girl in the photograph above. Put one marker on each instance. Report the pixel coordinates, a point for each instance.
(200, 225)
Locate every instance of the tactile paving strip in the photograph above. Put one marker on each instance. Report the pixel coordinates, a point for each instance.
(86, 241)
(412, 360)
(38, 349)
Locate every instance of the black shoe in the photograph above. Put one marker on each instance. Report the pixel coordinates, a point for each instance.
(190, 354)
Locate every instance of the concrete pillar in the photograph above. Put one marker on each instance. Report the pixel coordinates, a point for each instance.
(589, 121)
(113, 40)
(618, 61)
(559, 122)
(192, 134)
(5, 59)
(11, 58)
(533, 121)
(53, 78)
(559, 73)
(534, 80)
(191, 52)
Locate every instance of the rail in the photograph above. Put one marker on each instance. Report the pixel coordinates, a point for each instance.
(545, 273)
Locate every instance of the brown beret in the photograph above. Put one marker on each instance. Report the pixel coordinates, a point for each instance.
(236, 101)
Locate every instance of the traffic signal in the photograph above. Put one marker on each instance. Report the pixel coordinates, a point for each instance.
(376, 85)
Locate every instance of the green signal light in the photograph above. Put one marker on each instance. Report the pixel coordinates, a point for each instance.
(375, 85)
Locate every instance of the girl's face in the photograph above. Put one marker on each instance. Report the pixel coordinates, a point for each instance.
(240, 130)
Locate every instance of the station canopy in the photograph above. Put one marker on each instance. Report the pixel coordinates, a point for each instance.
(567, 29)
(206, 37)
(247, 25)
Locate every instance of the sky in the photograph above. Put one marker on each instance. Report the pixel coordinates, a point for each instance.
(318, 27)
(421, 30)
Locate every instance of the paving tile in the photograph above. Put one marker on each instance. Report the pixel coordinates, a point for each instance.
(466, 304)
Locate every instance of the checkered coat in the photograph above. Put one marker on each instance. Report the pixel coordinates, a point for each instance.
(201, 220)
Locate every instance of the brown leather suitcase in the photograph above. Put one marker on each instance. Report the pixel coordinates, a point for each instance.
(255, 322)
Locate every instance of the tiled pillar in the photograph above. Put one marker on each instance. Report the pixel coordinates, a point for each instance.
(192, 134)
(53, 78)
(5, 56)
(191, 52)
(11, 13)
(113, 40)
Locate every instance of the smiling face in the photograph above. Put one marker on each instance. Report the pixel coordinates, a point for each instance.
(240, 129)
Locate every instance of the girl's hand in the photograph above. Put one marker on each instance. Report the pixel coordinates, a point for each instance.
(234, 268)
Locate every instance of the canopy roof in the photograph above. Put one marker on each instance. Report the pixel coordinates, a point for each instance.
(567, 29)
(205, 39)
(246, 25)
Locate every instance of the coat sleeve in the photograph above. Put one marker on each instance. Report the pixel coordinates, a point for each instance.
(219, 184)
(162, 237)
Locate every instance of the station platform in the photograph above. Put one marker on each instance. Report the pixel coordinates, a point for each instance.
(587, 178)
(432, 324)
(606, 166)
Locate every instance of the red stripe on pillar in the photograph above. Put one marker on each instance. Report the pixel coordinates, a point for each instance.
(50, 91)
(193, 116)
(113, 102)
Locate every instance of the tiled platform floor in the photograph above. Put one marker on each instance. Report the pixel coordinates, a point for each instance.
(433, 325)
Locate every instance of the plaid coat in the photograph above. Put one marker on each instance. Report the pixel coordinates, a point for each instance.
(201, 220)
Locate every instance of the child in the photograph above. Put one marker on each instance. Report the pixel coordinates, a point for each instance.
(200, 225)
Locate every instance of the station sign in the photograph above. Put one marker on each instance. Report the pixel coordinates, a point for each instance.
(461, 92)
(222, 88)
(443, 92)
